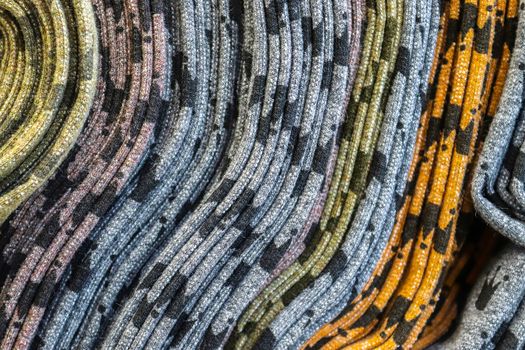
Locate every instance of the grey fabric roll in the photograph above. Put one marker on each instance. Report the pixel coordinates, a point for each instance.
(501, 161)
(243, 276)
(492, 302)
(245, 273)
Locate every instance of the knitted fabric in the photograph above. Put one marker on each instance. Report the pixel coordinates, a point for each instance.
(392, 309)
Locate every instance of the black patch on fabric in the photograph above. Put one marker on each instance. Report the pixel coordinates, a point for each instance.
(336, 265)
(83, 208)
(266, 341)
(152, 276)
(49, 232)
(379, 280)
(321, 158)
(111, 148)
(177, 302)
(146, 179)
(137, 45)
(145, 15)
(482, 38)
(301, 183)
(341, 45)
(509, 342)
(326, 78)
(221, 191)
(370, 315)
(470, 15)
(398, 310)
(47, 287)
(300, 149)
(441, 238)
(257, 96)
(238, 274)
(317, 40)
(118, 7)
(211, 341)
(403, 61)
(378, 166)
(464, 138)
(105, 201)
(499, 333)
(487, 291)
(26, 299)
(453, 113)
(273, 255)
(402, 331)
(80, 267)
(430, 217)
(272, 25)
(142, 312)
(433, 131)
(410, 229)
(497, 45)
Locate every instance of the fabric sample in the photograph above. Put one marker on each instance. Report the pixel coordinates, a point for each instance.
(262, 174)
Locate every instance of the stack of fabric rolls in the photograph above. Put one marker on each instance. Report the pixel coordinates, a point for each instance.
(262, 174)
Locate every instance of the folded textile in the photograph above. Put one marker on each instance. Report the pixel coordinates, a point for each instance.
(494, 315)
(344, 267)
(491, 305)
(265, 261)
(235, 209)
(497, 182)
(466, 268)
(187, 149)
(262, 174)
(400, 297)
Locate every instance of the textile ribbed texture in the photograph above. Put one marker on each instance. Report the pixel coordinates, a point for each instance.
(262, 174)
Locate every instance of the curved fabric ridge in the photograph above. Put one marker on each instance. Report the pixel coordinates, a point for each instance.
(243, 207)
(180, 163)
(493, 305)
(262, 174)
(217, 322)
(393, 309)
(493, 316)
(341, 271)
(355, 152)
(356, 24)
(49, 88)
(466, 268)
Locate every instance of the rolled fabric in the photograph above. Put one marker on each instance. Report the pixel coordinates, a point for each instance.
(493, 316)
(351, 257)
(471, 260)
(215, 320)
(512, 337)
(49, 79)
(46, 114)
